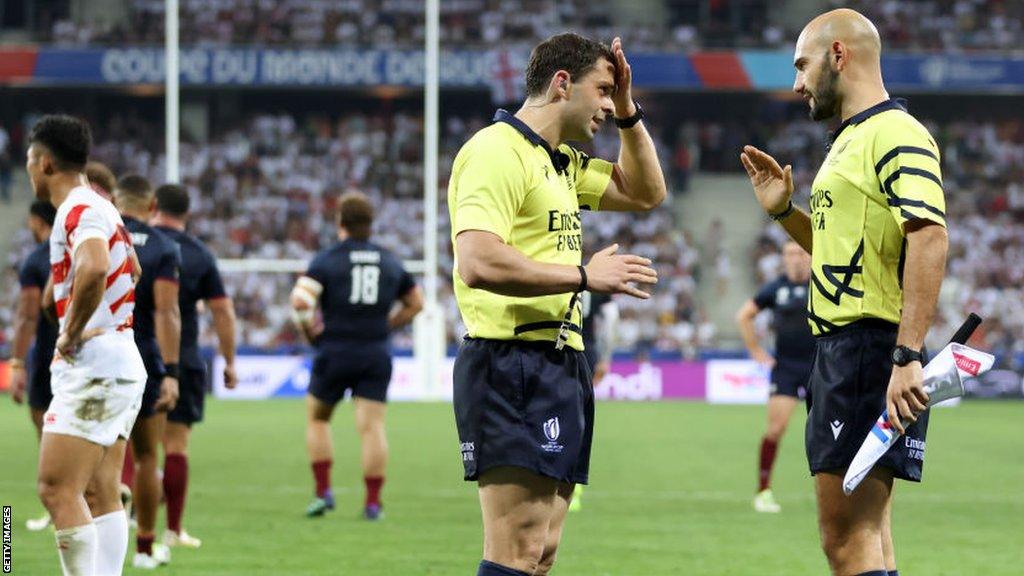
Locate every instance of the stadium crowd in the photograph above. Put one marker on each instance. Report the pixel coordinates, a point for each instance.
(948, 25)
(265, 188)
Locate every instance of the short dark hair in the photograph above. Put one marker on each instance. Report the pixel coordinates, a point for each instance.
(355, 214)
(134, 186)
(44, 211)
(173, 200)
(66, 137)
(101, 176)
(570, 52)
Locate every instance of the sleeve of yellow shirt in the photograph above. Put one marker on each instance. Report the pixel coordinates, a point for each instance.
(490, 188)
(906, 160)
(591, 176)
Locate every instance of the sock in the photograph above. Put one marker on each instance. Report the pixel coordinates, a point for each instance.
(77, 549)
(893, 573)
(175, 484)
(322, 476)
(128, 470)
(491, 569)
(373, 485)
(112, 542)
(144, 544)
(768, 449)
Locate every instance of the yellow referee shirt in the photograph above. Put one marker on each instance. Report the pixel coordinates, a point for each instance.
(881, 171)
(507, 181)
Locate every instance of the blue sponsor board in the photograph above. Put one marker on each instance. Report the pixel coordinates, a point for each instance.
(479, 69)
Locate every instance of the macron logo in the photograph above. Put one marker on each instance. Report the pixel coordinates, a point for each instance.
(837, 427)
(969, 365)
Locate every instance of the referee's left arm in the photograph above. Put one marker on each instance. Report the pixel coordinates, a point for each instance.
(907, 164)
(637, 182)
(927, 244)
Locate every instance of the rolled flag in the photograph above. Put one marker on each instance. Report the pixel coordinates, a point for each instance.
(943, 379)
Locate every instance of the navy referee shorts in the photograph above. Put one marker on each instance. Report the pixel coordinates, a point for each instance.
(524, 404)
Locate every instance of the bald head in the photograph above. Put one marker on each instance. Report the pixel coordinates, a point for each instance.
(838, 63)
(846, 26)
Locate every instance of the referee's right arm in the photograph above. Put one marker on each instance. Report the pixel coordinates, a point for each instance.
(490, 192)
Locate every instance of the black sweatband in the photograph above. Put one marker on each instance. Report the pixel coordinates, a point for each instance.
(172, 370)
(782, 215)
(583, 280)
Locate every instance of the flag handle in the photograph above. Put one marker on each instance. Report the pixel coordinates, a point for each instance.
(963, 334)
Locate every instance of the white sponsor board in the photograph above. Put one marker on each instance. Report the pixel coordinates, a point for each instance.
(288, 376)
(737, 382)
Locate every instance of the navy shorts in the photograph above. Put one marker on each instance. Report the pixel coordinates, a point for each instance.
(154, 377)
(790, 378)
(39, 392)
(848, 384)
(524, 404)
(191, 396)
(365, 370)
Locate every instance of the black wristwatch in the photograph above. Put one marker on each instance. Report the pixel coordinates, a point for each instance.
(632, 120)
(901, 356)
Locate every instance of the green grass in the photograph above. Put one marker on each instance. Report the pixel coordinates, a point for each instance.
(671, 493)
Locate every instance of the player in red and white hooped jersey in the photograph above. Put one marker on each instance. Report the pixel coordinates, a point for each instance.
(97, 375)
(85, 215)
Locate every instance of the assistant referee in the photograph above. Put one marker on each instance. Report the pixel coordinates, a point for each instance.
(523, 399)
(877, 237)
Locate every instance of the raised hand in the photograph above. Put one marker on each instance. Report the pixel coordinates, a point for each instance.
(623, 98)
(773, 185)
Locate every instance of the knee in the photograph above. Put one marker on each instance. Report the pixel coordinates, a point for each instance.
(102, 491)
(370, 427)
(838, 541)
(144, 456)
(547, 559)
(531, 550)
(51, 492)
(775, 431)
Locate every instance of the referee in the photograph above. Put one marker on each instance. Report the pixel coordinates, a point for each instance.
(524, 406)
(878, 231)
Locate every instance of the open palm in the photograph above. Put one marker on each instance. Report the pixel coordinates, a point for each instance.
(773, 185)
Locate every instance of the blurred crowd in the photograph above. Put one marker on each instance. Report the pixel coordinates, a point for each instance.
(983, 176)
(265, 189)
(670, 25)
(945, 25)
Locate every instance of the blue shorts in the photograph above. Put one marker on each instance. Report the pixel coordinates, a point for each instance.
(155, 372)
(191, 396)
(524, 404)
(790, 378)
(363, 369)
(848, 384)
(39, 392)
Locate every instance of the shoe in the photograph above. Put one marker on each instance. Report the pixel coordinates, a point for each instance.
(144, 562)
(765, 502)
(182, 539)
(373, 512)
(161, 553)
(577, 499)
(37, 524)
(320, 506)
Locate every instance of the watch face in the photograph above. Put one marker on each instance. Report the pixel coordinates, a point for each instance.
(901, 356)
